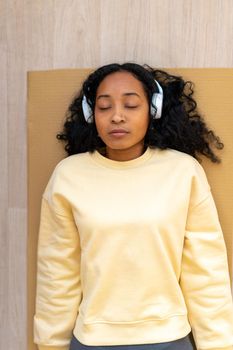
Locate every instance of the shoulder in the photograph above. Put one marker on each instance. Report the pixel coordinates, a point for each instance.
(173, 156)
(66, 171)
(72, 161)
(181, 164)
(73, 165)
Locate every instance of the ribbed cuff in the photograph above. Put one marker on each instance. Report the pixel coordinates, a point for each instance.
(48, 347)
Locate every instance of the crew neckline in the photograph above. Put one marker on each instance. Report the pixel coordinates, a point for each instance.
(110, 163)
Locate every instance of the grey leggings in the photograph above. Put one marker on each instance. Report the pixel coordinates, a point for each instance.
(179, 344)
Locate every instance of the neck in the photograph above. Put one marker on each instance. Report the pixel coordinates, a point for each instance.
(125, 154)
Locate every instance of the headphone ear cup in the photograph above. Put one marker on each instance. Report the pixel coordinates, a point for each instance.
(156, 105)
(153, 109)
(87, 111)
(157, 102)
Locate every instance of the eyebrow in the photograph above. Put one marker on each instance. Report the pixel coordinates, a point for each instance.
(125, 94)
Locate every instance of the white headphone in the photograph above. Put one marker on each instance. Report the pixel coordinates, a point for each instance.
(155, 108)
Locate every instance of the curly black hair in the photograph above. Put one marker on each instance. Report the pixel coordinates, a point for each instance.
(181, 127)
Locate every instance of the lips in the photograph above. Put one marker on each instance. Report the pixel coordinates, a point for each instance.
(118, 131)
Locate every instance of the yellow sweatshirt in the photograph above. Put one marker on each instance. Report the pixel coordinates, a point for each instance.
(131, 252)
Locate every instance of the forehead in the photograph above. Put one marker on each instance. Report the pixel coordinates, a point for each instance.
(120, 82)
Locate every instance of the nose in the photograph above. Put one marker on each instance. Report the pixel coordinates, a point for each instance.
(117, 116)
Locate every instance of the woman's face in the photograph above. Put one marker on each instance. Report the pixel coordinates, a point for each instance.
(122, 115)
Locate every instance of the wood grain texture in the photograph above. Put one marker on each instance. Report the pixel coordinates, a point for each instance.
(4, 267)
(16, 331)
(168, 33)
(38, 35)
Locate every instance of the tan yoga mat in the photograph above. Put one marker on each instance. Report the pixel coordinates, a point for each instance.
(49, 94)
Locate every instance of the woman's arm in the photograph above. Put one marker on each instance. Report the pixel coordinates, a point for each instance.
(58, 292)
(205, 278)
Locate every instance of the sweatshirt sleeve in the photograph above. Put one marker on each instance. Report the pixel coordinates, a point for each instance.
(205, 280)
(58, 291)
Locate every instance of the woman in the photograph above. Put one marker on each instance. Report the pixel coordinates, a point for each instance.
(130, 250)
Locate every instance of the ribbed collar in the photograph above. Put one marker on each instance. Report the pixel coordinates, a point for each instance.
(109, 163)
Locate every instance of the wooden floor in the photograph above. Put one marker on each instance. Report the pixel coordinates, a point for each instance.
(41, 35)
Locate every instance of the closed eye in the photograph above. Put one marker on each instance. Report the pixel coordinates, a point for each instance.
(104, 108)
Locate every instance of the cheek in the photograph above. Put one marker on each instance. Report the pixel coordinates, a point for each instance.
(100, 125)
(143, 123)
